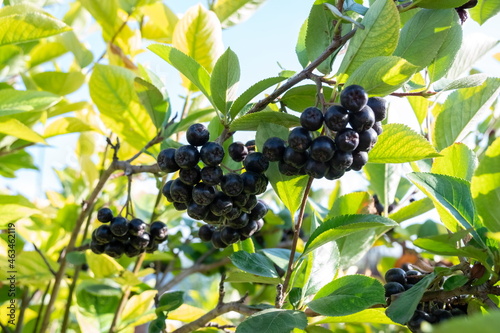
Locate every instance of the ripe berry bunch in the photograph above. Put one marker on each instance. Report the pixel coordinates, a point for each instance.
(226, 202)
(399, 280)
(354, 126)
(122, 236)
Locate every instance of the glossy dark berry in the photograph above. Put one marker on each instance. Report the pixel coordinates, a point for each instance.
(152, 247)
(273, 149)
(136, 227)
(237, 151)
(221, 205)
(395, 275)
(187, 156)
(229, 235)
(104, 215)
(259, 211)
(299, 139)
(353, 98)
(442, 315)
(197, 135)
(392, 288)
(295, 158)
(217, 241)
(239, 222)
(205, 232)
(311, 119)
(140, 242)
(249, 229)
(251, 202)
(180, 192)
(341, 160)
(359, 160)
(158, 231)
(234, 213)
(408, 286)
(166, 160)
(211, 175)
(211, 218)
(131, 251)
(119, 226)
(362, 120)
(103, 234)
(203, 194)
(97, 247)
(322, 149)
(252, 182)
(197, 212)
(256, 162)
(114, 249)
(417, 319)
(262, 184)
(316, 169)
(212, 153)
(123, 239)
(179, 206)
(260, 224)
(190, 176)
(347, 140)
(231, 184)
(333, 174)
(379, 107)
(336, 118)
(367, 139)
(287, 169)
(166, 191)
(250, 144)
(378, 127)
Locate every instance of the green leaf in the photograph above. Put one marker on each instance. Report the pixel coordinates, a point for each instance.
(485, 187)
(384, 180)
(420, 106)
(112, 90)
(59, 83)
(13, 161)
(198, 34)
(484, 10)
(44, 52)
(463, 82)
(250, 122)
(484, 322)
(160, 23)
(447, 52)
(457, 160)
(15, 207)
(158, 325)
(300, 48)
(137, 307)
(373, 316)
(474, 47)
(224, 80)
(246, 245)
(399, 144)
(433, 4)
(25, 100)
(17, 129)
(302, 97)
(273, 321)
(243, 277)
(185, 64)
(381, 76)
(83, 56)
(170, 301)
(351, 203)
(254, 263)
(290, 190)
(447, 245)
(232, 12)
(102, 265)
(252, 92)
(402, 308)
(471, 103)
(66, 125)
(322, 266)
(153, 101)
(413, 209)
(319, 35)
(97, 298)
(452, 198)
(348, 295)
(341, 226)
(105, 13)
(24, 23)
(423, 35)
(379, 38)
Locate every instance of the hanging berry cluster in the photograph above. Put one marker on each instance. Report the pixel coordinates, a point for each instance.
(353, 129)
(122, 236)
(226, 202)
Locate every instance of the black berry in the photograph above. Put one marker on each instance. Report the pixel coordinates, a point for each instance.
(203, 194)
(131, 251)
(378, 127)
(136, 227)
(347, 140)
(333, 173)
(103, 234)
(273, 149)
(97, 247)
(322, 149)
(311, 119)
(212, 153)
(239, 222)
(221, 205)
(362, 120)
(197, 212)
(299, 139)
(229, 235)
(341, 160)
(316, 169)
(287, 169)
(251, 202)
(259, 211)
(295, 158)
(250, 144)
(166, 191)
(234, 213)
(114, 249)
(211, 218)
(395, 275)
(140, 242)
(158, 231)
(237, 151)
(353, 98)
(367, 139)
(249, 229)
(211, 175)
(179, 206)
(392, 288)
(166, 160)
(256, 162)
(336, 118)
(379, 107)
(187, 156)
(359, 159)
(231, 184)
(180, 191)
(104, 215)
(217, 241)
(190, 176)
(119, 226)
(252, 182)
(205, 232)
(197, 135)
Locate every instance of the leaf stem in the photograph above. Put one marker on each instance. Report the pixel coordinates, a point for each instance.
(296, 233)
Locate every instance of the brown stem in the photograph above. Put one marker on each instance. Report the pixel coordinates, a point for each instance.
(44, 260)
(443, 295)
(296, 233)
(40, 311)
(25, 300)
(421, 94)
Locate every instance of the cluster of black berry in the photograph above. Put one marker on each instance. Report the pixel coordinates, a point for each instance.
(356, 124)
(122, 236)
(226, 202)
(399, 280)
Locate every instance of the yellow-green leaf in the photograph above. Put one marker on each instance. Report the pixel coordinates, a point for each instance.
(102, 265)
(59, 83)
(457, 161)
(66, 125)
(160, 22)
(231, 12)
(484, 10)
(16, 128)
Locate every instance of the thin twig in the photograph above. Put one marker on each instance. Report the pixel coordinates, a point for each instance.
(44, 260)
(424, 94)
(222, 292)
